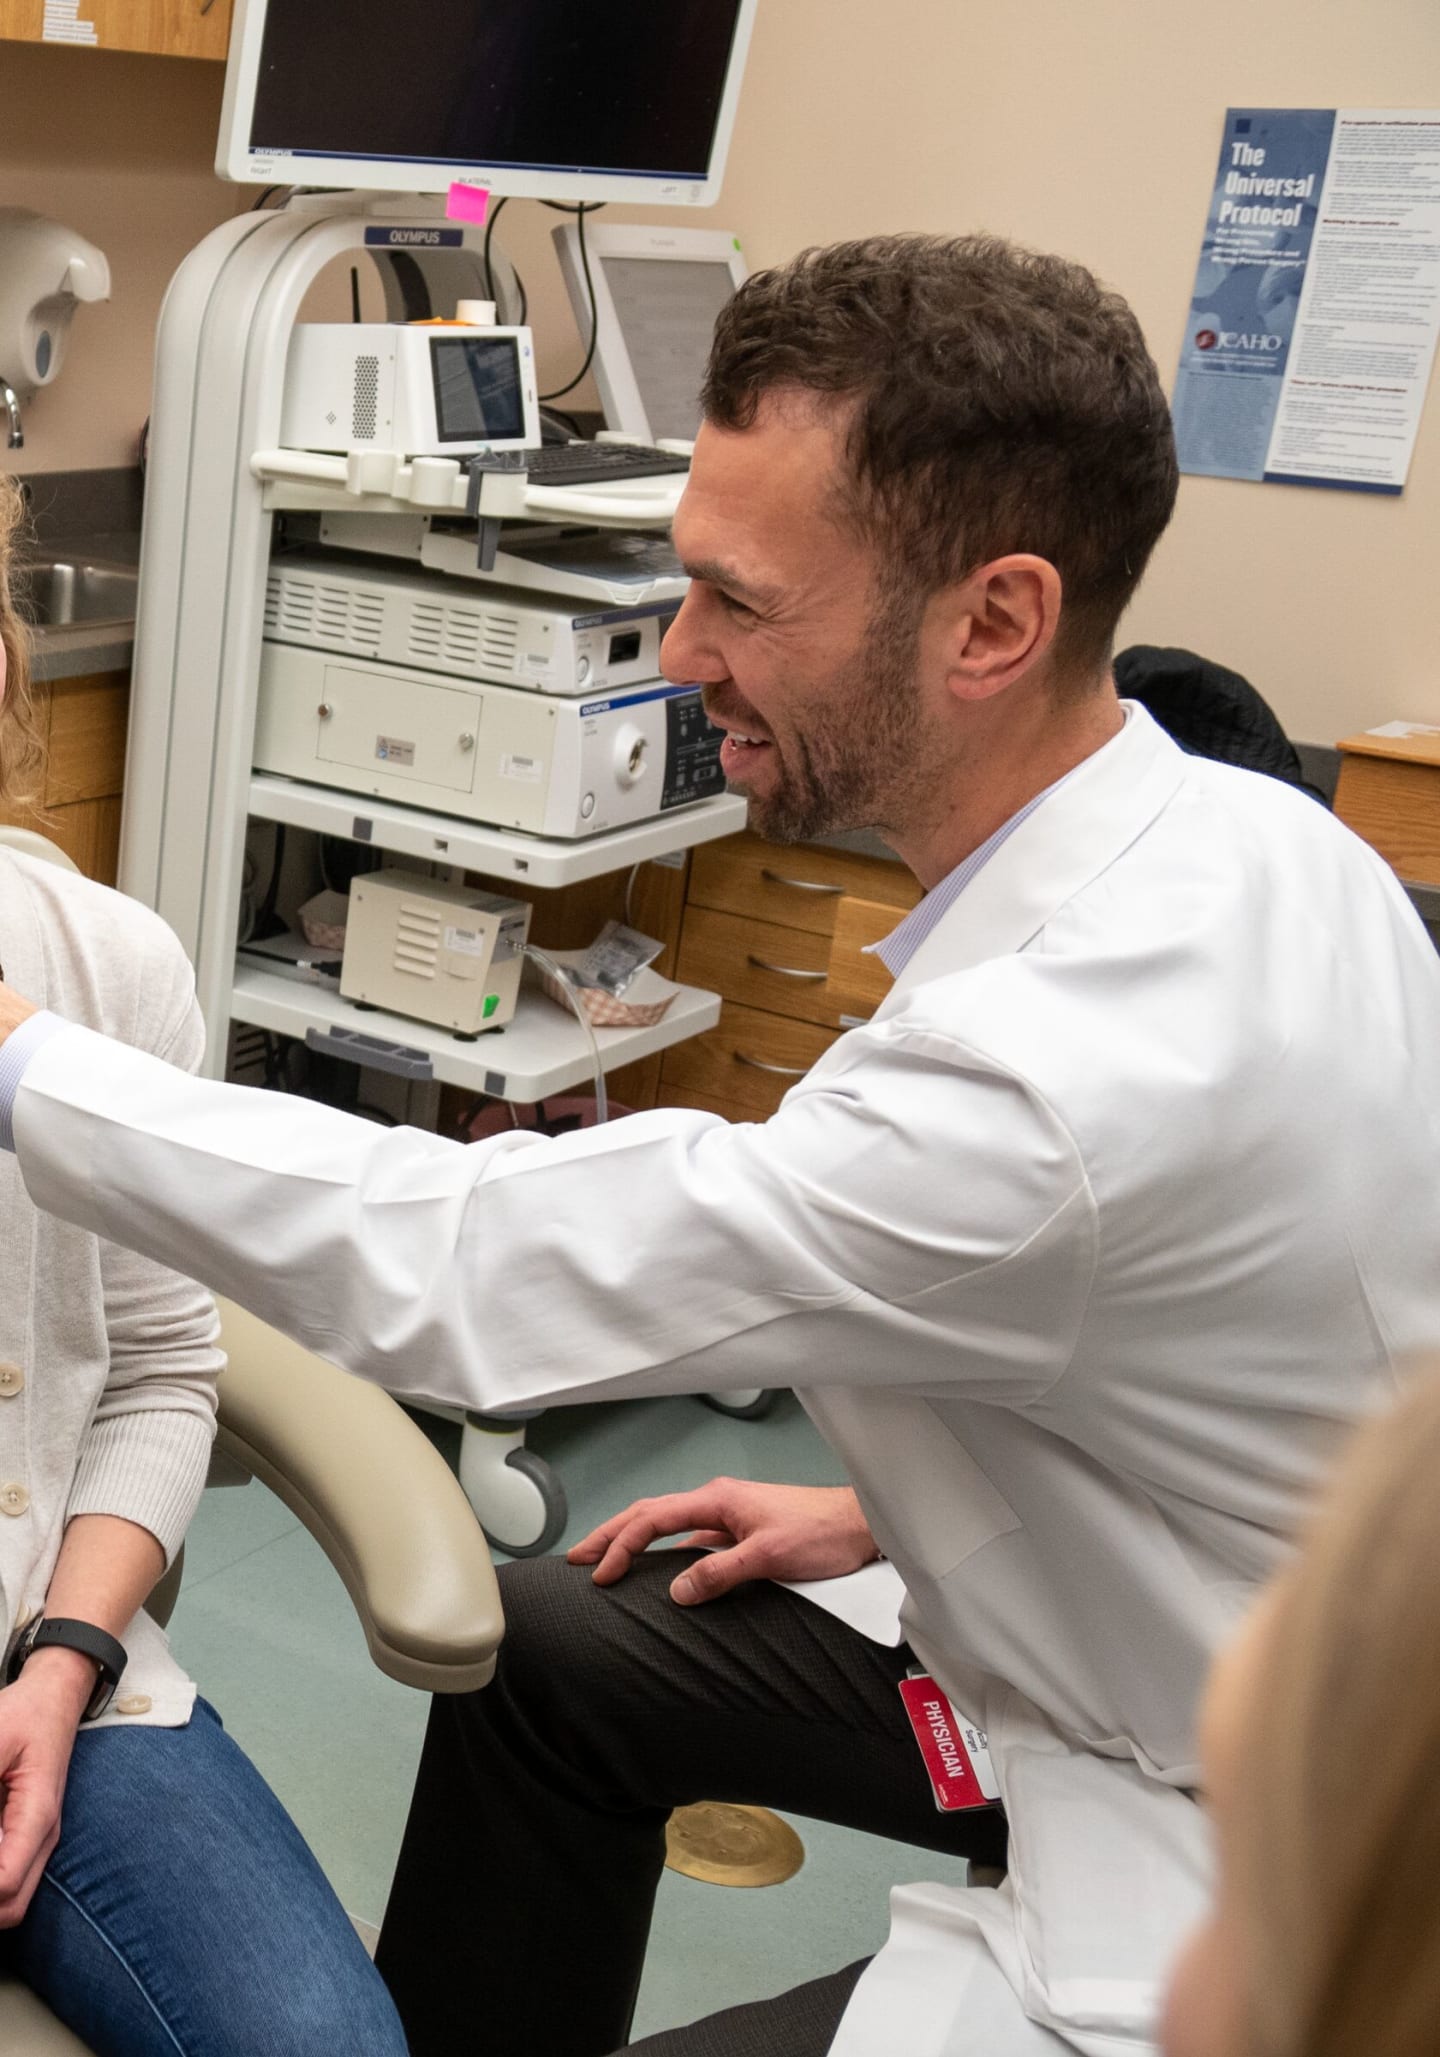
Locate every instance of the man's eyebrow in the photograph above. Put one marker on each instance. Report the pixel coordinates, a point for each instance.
(713, 573)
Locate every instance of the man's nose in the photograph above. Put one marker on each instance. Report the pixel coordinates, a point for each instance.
(688, 656)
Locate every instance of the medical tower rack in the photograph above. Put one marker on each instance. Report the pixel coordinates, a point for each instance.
(217, 474)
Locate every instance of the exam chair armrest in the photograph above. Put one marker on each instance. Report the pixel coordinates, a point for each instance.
(376, 1495)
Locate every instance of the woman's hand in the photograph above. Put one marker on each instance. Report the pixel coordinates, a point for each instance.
(756, 1531)
(13, 1010)
(39, 1715)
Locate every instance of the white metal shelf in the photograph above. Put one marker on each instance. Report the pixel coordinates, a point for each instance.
(495, 852)
(643, 503)
(543, 1051)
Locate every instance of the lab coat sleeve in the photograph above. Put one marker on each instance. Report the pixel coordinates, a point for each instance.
(671, 1252)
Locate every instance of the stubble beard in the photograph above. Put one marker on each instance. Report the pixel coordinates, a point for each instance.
(862, 766)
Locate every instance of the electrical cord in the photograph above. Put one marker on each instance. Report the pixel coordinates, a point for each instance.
(566, 421)
(278, 1052)
(635, 871)
(580, 213)
(339, 861)
(265, 914)
(485, 264)
(248, 875)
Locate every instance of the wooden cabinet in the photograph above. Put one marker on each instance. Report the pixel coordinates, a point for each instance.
(83, 721)
(1389, 793)
(781, 933)
(797, 885)
(165, 28)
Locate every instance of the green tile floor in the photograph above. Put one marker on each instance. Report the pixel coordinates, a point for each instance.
(264, 1624)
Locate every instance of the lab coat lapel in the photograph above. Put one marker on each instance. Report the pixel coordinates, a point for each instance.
(1071, 838)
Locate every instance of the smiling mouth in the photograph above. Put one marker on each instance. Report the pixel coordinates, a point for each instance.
(740, 755)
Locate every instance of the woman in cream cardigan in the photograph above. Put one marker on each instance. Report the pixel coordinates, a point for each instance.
(152, 1888)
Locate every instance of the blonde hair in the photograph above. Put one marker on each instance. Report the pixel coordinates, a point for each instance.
(21, 752)
(1338, 1854)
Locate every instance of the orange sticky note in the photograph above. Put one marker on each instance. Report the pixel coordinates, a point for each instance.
(467, 203)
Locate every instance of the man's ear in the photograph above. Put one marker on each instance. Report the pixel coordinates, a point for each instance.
(995, 625)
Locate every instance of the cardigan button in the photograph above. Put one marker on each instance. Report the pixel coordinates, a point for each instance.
(14, 1499)
(12, 1379)
(133, 1703)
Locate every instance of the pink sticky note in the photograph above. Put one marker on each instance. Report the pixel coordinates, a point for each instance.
(467, 203)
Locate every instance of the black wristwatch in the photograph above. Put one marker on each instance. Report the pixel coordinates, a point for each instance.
(102, 1650)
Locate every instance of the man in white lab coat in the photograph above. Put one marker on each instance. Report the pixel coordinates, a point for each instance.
(1082, 1253)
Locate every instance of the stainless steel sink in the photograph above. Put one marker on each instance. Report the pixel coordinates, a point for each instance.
(65, 592)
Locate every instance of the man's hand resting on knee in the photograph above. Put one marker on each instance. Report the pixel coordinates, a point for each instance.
(754, 1531)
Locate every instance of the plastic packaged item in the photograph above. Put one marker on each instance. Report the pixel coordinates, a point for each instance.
(615, 959)
(646, 1000)
(322, 920)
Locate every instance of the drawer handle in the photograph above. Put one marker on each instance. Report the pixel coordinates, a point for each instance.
(785, 971)
(801, 885)
(780, 1070)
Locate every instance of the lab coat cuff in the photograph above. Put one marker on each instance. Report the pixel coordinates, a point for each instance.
(15, 1054)
(149, 1468)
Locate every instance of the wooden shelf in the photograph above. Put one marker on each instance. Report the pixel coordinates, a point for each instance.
(543, 1051)
(494, 852)
(162, 28)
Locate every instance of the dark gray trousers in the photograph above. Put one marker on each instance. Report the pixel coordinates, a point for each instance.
(521, 1906)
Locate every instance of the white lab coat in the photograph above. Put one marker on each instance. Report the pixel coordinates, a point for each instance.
(1081, 1254)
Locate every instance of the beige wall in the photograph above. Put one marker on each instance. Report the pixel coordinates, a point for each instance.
(119, 148)
(1088, 128)
(1092, 127)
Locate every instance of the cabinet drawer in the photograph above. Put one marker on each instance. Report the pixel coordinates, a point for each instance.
(88, 718)
(758, 963)
(1395, 806)
(858, 980)
(749, 1058)
(88, 831)
(790, 971)
(798, 886)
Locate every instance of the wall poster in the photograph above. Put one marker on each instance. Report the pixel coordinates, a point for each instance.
(1313, 321)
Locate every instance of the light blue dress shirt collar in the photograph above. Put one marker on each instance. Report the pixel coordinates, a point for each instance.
(897, 949)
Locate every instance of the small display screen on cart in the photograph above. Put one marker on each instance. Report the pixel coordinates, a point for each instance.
(478, 393)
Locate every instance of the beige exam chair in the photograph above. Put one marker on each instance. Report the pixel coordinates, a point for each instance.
(376, 1495)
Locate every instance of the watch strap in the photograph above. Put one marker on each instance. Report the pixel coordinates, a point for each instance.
(57, 1632)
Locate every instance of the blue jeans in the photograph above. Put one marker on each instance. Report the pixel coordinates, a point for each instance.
(182, 1915)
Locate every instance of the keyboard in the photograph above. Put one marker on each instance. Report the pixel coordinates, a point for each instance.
(597, 464)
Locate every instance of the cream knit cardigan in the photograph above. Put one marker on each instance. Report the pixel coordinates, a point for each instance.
(114, 1408)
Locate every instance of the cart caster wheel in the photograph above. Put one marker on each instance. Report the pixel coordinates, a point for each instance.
(542, 1520)
(518, 1499)
(748, 1404)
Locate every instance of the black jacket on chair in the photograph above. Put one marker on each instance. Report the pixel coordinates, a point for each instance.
(1211, 712)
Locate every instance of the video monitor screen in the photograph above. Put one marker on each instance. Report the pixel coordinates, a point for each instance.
(629, 86)
(478, 397)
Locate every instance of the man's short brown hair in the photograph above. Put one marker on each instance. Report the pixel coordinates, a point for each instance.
(1003, 401)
